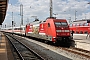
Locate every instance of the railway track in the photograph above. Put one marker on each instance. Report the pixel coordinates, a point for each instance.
(77, 51)
(82, 51)
(23, 52)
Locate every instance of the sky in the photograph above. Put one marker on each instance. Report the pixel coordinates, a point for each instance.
(64, 9)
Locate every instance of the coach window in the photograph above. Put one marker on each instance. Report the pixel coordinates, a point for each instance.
(48, 24)
(21, 28)
(75, 24)
(86, 24)
(85, 32)
(81, 24)
(9, 29)
(24, 28)
(70, 25)
(15, 29)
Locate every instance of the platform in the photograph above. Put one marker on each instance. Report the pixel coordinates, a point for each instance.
(5, 51)
(81, 41)
(81, 37)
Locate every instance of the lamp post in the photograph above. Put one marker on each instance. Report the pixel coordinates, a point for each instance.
(88, 3)
(69, 20)
(85, 16)
(75, 15)
(27, 21)
(21, 13)
(51, 9)
(12, 20)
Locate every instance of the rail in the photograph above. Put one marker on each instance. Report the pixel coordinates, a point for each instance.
(22, 50)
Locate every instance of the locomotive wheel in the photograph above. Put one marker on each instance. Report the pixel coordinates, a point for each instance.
(46, 41)
(72, 44)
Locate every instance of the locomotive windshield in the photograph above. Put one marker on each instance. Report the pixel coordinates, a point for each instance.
(61, 24)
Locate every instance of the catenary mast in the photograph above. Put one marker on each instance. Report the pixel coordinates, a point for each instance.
(51, 9)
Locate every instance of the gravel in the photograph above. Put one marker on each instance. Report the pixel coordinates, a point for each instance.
(51, 52)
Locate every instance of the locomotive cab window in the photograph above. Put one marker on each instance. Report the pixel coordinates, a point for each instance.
(61, 24)
(64, 24)
(48, 24)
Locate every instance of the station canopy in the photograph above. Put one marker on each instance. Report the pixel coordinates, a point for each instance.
(3, 8)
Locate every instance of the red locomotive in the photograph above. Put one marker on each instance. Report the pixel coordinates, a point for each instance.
(80, 26)
(54, 30)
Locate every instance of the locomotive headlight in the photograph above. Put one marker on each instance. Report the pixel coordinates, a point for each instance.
(54, 38)
(57, 26)
(57, 34)
(68, 33)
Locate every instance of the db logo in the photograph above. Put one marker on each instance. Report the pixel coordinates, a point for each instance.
(42, 25)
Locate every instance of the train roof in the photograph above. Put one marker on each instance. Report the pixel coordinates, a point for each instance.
(82, 21)
(35, 22)
(13, 27)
